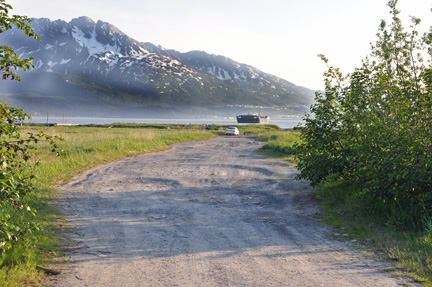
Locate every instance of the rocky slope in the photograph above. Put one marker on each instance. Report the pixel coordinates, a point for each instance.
(87, 66)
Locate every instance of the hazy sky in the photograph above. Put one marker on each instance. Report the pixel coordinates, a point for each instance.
(280, 37)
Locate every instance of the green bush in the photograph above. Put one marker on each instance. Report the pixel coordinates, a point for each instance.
(17, 174)
(373, 127)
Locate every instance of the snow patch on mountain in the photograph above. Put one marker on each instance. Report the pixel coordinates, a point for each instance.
(101, 53)
(63, 61)
(51, 65)
(38, 64)
(93, 46)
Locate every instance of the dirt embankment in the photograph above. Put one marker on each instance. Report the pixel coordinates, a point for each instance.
(204, 214)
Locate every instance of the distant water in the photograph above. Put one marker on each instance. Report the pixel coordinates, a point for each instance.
(282, 123)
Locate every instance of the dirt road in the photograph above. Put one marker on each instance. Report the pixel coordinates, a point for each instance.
(204, 214)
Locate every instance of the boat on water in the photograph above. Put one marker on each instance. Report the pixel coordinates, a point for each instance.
(253, 119)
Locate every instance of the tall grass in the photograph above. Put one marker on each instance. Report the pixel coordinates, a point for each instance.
(279, 144)
(84, 147)
(87, 147)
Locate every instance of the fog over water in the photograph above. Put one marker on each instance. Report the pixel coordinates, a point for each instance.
(282, 123)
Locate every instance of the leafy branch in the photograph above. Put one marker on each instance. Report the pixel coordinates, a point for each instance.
(16, 166)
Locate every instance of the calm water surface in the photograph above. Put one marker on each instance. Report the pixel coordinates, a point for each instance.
(282, 123)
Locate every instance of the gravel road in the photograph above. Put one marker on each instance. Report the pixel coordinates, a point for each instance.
(208, 213)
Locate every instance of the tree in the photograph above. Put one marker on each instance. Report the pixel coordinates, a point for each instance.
(16, 166)
(373, 127)
(9, 61)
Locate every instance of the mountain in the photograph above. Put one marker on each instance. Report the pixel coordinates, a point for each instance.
(92, 68)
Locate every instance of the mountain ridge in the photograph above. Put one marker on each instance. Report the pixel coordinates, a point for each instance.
(103, 60)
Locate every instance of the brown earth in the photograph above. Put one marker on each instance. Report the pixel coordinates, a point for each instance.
(208, 213)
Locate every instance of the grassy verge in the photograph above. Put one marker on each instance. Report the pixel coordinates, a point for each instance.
(86, 147)
(410, 252)
(252, 129)
(279, 144)
(343, 207)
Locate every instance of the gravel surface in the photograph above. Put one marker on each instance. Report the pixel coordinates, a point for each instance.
(208, 213)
